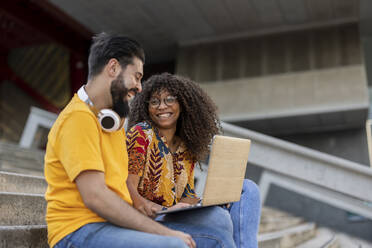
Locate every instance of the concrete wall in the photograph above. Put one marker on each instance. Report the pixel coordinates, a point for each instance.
(349, 144)
(303, 81)
(274, 54)
(290, 94)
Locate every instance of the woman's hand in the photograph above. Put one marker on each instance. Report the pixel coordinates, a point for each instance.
(146, 207)
(179, 205)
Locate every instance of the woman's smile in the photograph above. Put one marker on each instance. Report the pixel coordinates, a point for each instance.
(163, 114)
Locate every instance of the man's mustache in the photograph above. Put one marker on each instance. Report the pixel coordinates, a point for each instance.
(133, 90)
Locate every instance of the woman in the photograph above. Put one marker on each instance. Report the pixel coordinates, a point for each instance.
(172, 122)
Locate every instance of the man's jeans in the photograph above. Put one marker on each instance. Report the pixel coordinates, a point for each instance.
(104, 234)
(209, 227)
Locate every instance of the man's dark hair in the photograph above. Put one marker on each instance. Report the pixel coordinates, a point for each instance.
(107, 46)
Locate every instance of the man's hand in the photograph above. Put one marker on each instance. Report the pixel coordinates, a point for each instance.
(185, 238)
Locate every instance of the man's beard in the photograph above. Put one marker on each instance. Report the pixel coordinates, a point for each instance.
(119, 93)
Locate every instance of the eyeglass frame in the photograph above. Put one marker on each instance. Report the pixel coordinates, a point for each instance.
(162, 100)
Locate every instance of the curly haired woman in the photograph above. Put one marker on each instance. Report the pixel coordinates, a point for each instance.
(172, 122)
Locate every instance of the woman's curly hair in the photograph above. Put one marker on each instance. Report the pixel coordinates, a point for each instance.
(198, 121)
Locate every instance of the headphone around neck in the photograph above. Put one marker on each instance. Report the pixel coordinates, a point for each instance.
(109, 120)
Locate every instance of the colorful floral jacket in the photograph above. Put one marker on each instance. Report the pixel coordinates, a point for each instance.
(165, 177)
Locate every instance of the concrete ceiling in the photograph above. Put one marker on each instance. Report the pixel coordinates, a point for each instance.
(164, 24)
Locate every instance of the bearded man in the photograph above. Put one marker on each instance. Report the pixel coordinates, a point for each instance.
(86, 161)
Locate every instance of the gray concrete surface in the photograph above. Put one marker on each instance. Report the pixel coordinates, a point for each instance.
(22, 209)
(308, 101)
(302, 163)
(20, 183)
(319, 212)
(13, 155)
(297, 204)
(23, 236)
(289, 237)
(240, 57)
(350, 144)
(324, 238)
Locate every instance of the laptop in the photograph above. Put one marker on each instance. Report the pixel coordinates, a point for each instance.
(226, 171)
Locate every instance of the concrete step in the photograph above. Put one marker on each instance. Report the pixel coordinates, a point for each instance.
(22, 209)
(289, 237)
(327, 238)
(21, 159)
(21, 183)
(20, 170)
(32, 236)
(274, 220)
(22, 214)
(324, 238)
(346, 241)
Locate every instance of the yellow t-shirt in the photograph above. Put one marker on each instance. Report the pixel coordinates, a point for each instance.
(77, 143)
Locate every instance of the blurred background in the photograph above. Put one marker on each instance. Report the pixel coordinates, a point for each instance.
(292, 75)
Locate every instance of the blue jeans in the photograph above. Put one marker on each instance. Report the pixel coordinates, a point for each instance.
(215, 219)
(245, 215)
(209, 227)
(243, 219)
(104, 234)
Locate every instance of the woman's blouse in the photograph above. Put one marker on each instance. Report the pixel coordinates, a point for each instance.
(165, 177)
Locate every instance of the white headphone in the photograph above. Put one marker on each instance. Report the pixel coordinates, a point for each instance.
(109, 120)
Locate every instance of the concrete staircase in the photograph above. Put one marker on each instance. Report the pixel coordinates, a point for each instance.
(22, 220)
(22, 204)
(282, 230)
(22, 211)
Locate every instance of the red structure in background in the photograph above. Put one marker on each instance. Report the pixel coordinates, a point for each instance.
(27, 22)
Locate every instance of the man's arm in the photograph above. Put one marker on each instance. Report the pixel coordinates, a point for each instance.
(107, 204)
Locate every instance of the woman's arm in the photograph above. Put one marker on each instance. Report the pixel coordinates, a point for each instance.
(137, 145)
(143, 205)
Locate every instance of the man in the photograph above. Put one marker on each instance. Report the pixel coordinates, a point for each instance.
(86, 166)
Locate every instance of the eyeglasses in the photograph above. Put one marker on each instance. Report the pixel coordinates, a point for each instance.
(169, 101)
